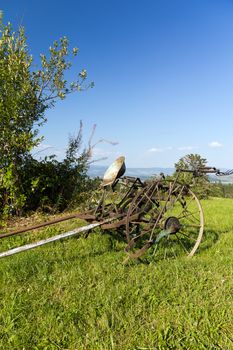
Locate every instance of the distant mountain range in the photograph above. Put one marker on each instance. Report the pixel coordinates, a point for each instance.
(145, 173)
(223, 179)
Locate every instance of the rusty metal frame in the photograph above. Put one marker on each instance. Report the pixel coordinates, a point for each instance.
(138, 201)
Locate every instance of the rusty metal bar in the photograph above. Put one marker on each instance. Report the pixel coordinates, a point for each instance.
(52, 239)
(201, 170)
(51, 222)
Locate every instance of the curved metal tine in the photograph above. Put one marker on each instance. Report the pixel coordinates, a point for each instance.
(140, 200)
(130, 190)
(139, 235)
(141, 251)
(145, 231)
(101, 202)
(151, 195)
(174, 190)
(124, 198)
(187, 204)
(177, 198)
(190, 200)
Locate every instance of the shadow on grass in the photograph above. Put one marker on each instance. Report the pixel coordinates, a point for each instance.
(166, 250)
(210, 238)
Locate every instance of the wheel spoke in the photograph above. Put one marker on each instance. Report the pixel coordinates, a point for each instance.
(187, 204)
(192, 225)
(187, 236)
(179, 195)
(188, 214)
(192, 219)
(181, 243)
(174, 202)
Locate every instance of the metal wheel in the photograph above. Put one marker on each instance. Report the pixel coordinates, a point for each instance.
(166, 215)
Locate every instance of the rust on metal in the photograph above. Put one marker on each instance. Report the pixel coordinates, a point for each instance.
(49, 240)
(147, 211)
(47, 223)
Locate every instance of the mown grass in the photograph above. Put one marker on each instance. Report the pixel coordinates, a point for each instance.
(77, 294)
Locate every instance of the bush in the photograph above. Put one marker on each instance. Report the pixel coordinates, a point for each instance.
(221, 190)
(53, 185)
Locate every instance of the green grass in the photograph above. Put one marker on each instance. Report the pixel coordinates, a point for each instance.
(77, 294)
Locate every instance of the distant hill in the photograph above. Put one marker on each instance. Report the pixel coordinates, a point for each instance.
(222, 179)
(145, 173)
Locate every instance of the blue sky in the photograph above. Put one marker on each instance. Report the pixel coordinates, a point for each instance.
(163, 73)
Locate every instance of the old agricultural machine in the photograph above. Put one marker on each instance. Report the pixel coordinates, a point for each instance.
(160, 216)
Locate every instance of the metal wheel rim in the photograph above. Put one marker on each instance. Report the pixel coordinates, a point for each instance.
(200, 218)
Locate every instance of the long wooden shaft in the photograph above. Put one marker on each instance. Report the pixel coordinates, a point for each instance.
(51, 239)
(47, 223)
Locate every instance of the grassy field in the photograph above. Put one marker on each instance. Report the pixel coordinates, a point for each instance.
(77, 294)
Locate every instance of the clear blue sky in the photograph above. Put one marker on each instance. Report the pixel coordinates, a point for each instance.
(163, 73)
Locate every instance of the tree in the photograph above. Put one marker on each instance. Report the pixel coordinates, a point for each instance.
(25, 95)
(193, 162)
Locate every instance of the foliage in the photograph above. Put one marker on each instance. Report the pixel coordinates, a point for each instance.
(51, 184)
(25, 95)
(198, 180)
(77, 294)
(221, 190)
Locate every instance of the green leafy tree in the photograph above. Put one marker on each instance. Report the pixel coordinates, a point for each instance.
(25, 95)
(198, 180)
